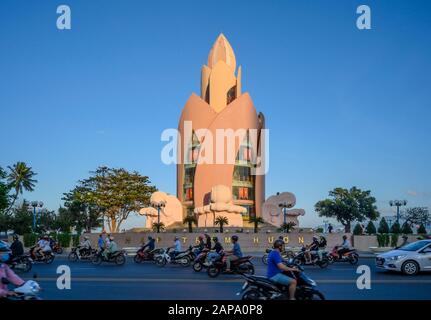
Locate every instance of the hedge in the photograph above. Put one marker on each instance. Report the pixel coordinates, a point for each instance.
(64, 239)
(30, 239)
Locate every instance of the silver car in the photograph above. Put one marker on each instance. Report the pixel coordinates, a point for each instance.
(409, 259)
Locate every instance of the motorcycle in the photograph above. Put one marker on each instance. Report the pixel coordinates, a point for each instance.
(285, 255)
(199, 261)
(48, 256)
(299, 259)
(350, 256)
(146, 255)
(76, 255)
(22, 263)
(27, 291)
(118, 257)
(166, 256)
(261, 288)
(241, 265)
(56, 248)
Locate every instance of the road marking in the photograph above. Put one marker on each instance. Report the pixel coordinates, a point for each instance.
(326, 281)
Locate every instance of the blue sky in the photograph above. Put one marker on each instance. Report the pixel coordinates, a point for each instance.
(344, 107)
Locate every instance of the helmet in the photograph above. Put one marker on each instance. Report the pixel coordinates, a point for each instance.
(150, 238)
(234, 238)
(111, 238)
(215, 239)
(15, 237)
(278, 244)
(405, 237)
(85, 237)
(344, 237)
(280, 238)
(201, 237)
(315, 238)
(176, 238)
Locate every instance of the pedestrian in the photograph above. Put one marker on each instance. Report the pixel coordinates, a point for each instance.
(330, 228)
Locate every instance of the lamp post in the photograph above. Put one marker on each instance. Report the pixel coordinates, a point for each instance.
(159, 206)
(398, 204)
(35, 204)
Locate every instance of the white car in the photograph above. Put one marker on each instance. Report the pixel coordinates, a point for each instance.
(409, 259)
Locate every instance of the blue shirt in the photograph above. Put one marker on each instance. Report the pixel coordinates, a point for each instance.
(101, 243)
(237, 250)
(177, 245)
(274, 258)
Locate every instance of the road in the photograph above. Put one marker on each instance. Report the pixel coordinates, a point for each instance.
(147, 281)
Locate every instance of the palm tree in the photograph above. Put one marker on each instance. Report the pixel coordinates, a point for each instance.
(158, 226)
(256, 221)
(286, 227)
(190, 220)
(221, 221)
(20, 178)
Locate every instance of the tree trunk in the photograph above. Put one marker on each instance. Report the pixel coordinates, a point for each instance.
(221, 228)
(347, 227)
(255, 227)
(190, 227)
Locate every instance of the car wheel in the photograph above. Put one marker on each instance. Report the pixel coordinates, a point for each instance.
(410, 268)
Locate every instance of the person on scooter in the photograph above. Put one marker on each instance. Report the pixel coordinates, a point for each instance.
(17, 249)
(312, 248)
(42, 246)
(85, 246)
(150, 245)
(276, 268)
(216, 254)
(111, 249)
(7, 273)
(233, 254)
(176, 247)
(207, 241)
(345, 247)
(201, 245)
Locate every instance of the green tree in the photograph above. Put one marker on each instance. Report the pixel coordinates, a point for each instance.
(190, 220)
(383, 226)
(371, 228)
(347, 206)
(406, 229)
(21, 220)
(422, 229)
(4, 201)
(396, 228)
(256, 221)
(221, 221)
(357, 230)
(20, 178)
(116, 193)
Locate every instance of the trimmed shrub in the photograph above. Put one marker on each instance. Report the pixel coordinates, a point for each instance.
(406, 229)
(357, 231)
(422, 229)
(380, 240)
(394, 239)
(383, 226)
(371, 228)
(319, 230)
(396, 228)
(64, 239)
(30, 239)
(75, 240)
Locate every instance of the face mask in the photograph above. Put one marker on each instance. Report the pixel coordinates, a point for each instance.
(4, 257)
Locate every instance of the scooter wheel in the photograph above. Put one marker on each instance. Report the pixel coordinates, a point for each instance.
(137, 259)
(265, 259)
(353, 259)
(213, 272)
(197, 266)
(72, 256)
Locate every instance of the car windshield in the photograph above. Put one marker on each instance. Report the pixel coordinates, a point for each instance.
(414, 246)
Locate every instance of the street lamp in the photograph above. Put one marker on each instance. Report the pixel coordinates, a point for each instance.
(398, 204)
(35, 204)
(159, 205)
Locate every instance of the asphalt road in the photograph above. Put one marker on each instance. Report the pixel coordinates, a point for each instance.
(148, 281)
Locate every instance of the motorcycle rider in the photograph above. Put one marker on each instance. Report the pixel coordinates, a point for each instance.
(207, 241)
(176, 247)
(113, 247)
(101, 243)
(345, 247)
(213, 256)
(42, 246)
(233, 254)
(85, 246)
(276, 268)
(312, 248)
(7, 273)
(150, 245)
(17, 249)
